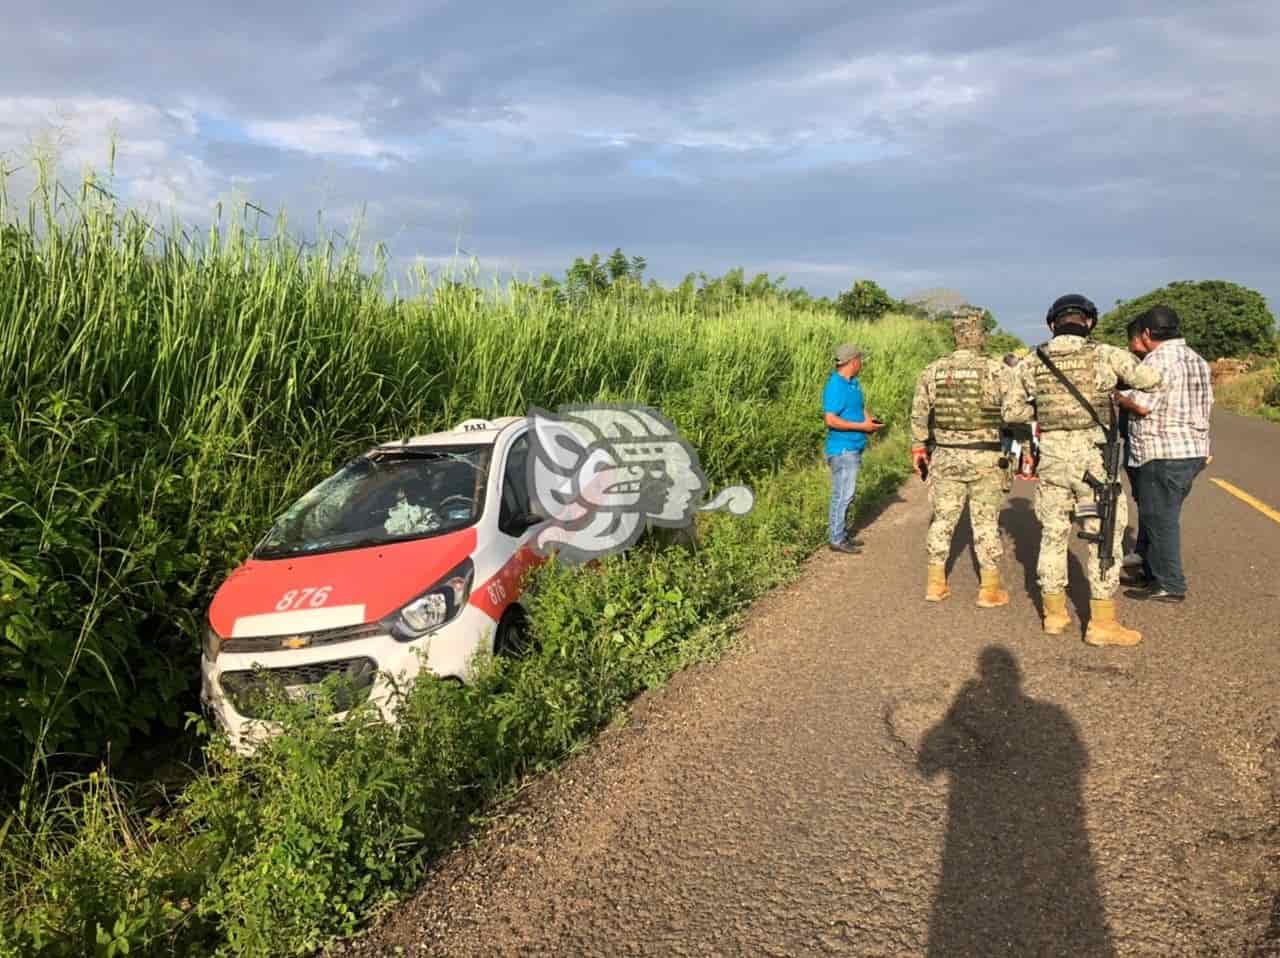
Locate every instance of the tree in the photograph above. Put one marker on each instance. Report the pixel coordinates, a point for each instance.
(549, 288)
(586, 277)
(865, 301)
(589, 278)
(1218, 318)
(618, 265)
(1000, 343)
(761, 287)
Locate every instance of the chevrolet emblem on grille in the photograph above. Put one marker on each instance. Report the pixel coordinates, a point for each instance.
(295, 642)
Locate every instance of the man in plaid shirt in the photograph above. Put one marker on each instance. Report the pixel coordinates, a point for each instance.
(1169, 444)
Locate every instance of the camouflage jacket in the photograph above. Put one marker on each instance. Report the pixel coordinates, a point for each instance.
(1113, 368)
(963, 464)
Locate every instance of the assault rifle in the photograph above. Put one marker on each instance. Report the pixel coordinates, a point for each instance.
(1106, 493)
(1107, 490)
(1007, 462)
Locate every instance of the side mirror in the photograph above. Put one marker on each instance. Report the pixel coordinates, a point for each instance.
(521, 523)
(527, 520)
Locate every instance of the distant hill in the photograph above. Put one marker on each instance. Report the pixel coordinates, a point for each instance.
(936, 302)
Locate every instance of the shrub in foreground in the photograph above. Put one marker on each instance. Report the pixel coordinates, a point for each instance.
(272, 855)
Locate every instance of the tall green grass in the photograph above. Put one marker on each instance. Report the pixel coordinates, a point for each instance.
(167, 395)
(166, 398)
(1256, 393)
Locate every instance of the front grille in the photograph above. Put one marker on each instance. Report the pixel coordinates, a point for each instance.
(252, 692)
(277, 643)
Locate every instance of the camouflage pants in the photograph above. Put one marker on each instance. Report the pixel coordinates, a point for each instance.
(1054, 503)
(948, 497)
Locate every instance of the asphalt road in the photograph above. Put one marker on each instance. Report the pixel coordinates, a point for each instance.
(871, 774)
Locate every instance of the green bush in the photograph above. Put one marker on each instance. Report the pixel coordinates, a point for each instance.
(1218, 318)
(865, 301)
(274, 854)
(1271, 393)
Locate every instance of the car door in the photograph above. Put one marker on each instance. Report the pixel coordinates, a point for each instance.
(514, 533)
(514, 491)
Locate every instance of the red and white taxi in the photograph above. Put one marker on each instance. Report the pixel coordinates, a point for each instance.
(411, 556)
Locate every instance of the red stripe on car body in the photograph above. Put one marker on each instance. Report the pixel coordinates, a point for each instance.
(381, 578)
(495, 594)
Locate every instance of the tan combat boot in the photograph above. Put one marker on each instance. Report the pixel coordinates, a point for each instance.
(1103, 627)
(1056, 619)
(937, 589)
(990, 595)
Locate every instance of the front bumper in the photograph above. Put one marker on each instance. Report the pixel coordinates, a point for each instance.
(447, 652)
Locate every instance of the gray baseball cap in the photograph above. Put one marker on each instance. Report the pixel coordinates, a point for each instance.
(846, 352)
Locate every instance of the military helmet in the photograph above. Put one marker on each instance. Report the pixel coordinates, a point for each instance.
(1072, 303)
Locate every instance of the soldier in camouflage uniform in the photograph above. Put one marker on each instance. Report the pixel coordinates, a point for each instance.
(1070, 446)
(960, 396)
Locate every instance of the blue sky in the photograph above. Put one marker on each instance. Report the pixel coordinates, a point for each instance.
(1007, 150)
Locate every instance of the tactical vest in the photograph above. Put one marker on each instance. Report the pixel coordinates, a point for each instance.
(959, 404)
(1056, 408)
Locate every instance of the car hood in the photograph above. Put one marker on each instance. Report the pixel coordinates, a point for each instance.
(349, 587)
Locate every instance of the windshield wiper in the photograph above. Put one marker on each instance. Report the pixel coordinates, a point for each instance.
(289, 551)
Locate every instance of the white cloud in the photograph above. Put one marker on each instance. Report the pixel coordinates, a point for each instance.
(81, 128)
(885, 103)
(155, 161)
(325, 136)
(860, 102)
(185, 185)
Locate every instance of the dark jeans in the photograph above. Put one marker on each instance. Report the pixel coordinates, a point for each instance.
(1140, 540)
(1163, 485)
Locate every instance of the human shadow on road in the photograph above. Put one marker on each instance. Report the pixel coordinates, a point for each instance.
(1018, 518)
(1018, 874)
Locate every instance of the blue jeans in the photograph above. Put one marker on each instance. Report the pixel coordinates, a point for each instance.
(844, 483)
(1164, 485)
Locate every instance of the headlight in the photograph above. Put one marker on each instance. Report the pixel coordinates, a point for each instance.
(212, 643)
(435, 607)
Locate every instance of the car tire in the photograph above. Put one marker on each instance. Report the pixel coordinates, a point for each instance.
(512, 637)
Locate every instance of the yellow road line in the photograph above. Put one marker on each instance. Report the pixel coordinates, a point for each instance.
(1243, 496)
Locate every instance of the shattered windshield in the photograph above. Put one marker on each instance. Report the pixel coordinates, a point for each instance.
(391, 497)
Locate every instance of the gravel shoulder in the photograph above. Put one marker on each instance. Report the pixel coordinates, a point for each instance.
(867, 773)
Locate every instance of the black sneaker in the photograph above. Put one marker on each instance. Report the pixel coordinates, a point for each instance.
(1155, 595)
(846, 547)
(1137, 578)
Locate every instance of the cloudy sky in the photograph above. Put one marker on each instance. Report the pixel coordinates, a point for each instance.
(1012, 151)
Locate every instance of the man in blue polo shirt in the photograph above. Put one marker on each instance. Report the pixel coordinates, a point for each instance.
(848, 427)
